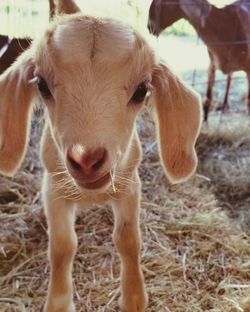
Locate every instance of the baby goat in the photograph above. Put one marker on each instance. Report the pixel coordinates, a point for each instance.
(94, 76)
(225, 31)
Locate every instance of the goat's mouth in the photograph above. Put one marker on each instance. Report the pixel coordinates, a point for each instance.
(96, 184)
(153, 30)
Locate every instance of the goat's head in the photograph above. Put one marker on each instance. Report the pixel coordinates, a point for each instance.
(163, 13)
(94, 77)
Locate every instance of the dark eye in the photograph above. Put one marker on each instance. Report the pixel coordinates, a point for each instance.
(140, 92)
(43, 87)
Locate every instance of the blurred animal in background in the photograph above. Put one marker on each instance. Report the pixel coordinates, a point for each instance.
(225, 31)
(10, 49)
(3, 41)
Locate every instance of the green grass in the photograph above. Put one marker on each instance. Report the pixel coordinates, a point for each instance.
(180, 28)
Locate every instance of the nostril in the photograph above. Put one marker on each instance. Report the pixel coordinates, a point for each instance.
(100, 159)
(87, 163)
(150, 27)
(74, 164)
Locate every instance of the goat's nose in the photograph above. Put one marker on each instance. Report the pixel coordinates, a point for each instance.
(149, 26)
(86, 163)
(153, 29)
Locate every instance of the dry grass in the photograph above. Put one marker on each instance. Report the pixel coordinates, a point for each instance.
(196, 247)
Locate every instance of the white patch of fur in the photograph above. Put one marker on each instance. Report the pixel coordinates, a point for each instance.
(85, 38)
(116, 40)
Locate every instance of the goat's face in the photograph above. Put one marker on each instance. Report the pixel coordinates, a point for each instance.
(162, 14)
(94, 77)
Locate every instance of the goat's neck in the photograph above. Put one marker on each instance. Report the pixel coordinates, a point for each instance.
(216, 25)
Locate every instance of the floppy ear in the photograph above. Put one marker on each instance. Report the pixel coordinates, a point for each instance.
(178, 111)
(16, 94)
(196, 10)
(66, 7)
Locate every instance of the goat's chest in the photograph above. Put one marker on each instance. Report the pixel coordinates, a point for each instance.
(230, 59)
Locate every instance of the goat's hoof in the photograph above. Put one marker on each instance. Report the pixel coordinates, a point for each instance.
(135, 303)
(206, 109)
(223, 108)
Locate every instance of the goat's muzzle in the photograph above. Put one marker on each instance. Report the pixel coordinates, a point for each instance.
(152, 29)
(86, 167)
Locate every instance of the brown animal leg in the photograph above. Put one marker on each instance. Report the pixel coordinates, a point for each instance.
(126, 238)
(248, 97)
(62, 247)
(225, 102)
(211, 79)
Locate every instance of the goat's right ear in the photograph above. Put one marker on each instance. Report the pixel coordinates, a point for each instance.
(16, 95)
(66, 7)
(178, 111)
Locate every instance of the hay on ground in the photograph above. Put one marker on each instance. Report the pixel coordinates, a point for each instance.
(196, 247)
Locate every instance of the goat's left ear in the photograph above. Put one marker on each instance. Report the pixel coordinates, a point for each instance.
(178, 111)
(16, 95)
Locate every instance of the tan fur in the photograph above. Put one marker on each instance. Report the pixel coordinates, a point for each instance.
(91, 107)
(178, 120)
(16, 96)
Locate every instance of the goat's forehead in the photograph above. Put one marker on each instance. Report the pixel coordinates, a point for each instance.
(93, 51)
(87, 39)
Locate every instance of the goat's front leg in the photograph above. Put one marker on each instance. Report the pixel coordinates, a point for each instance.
(126, 237)
(248, 95)
(225, 104)
(62, 247)
(211, 80)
